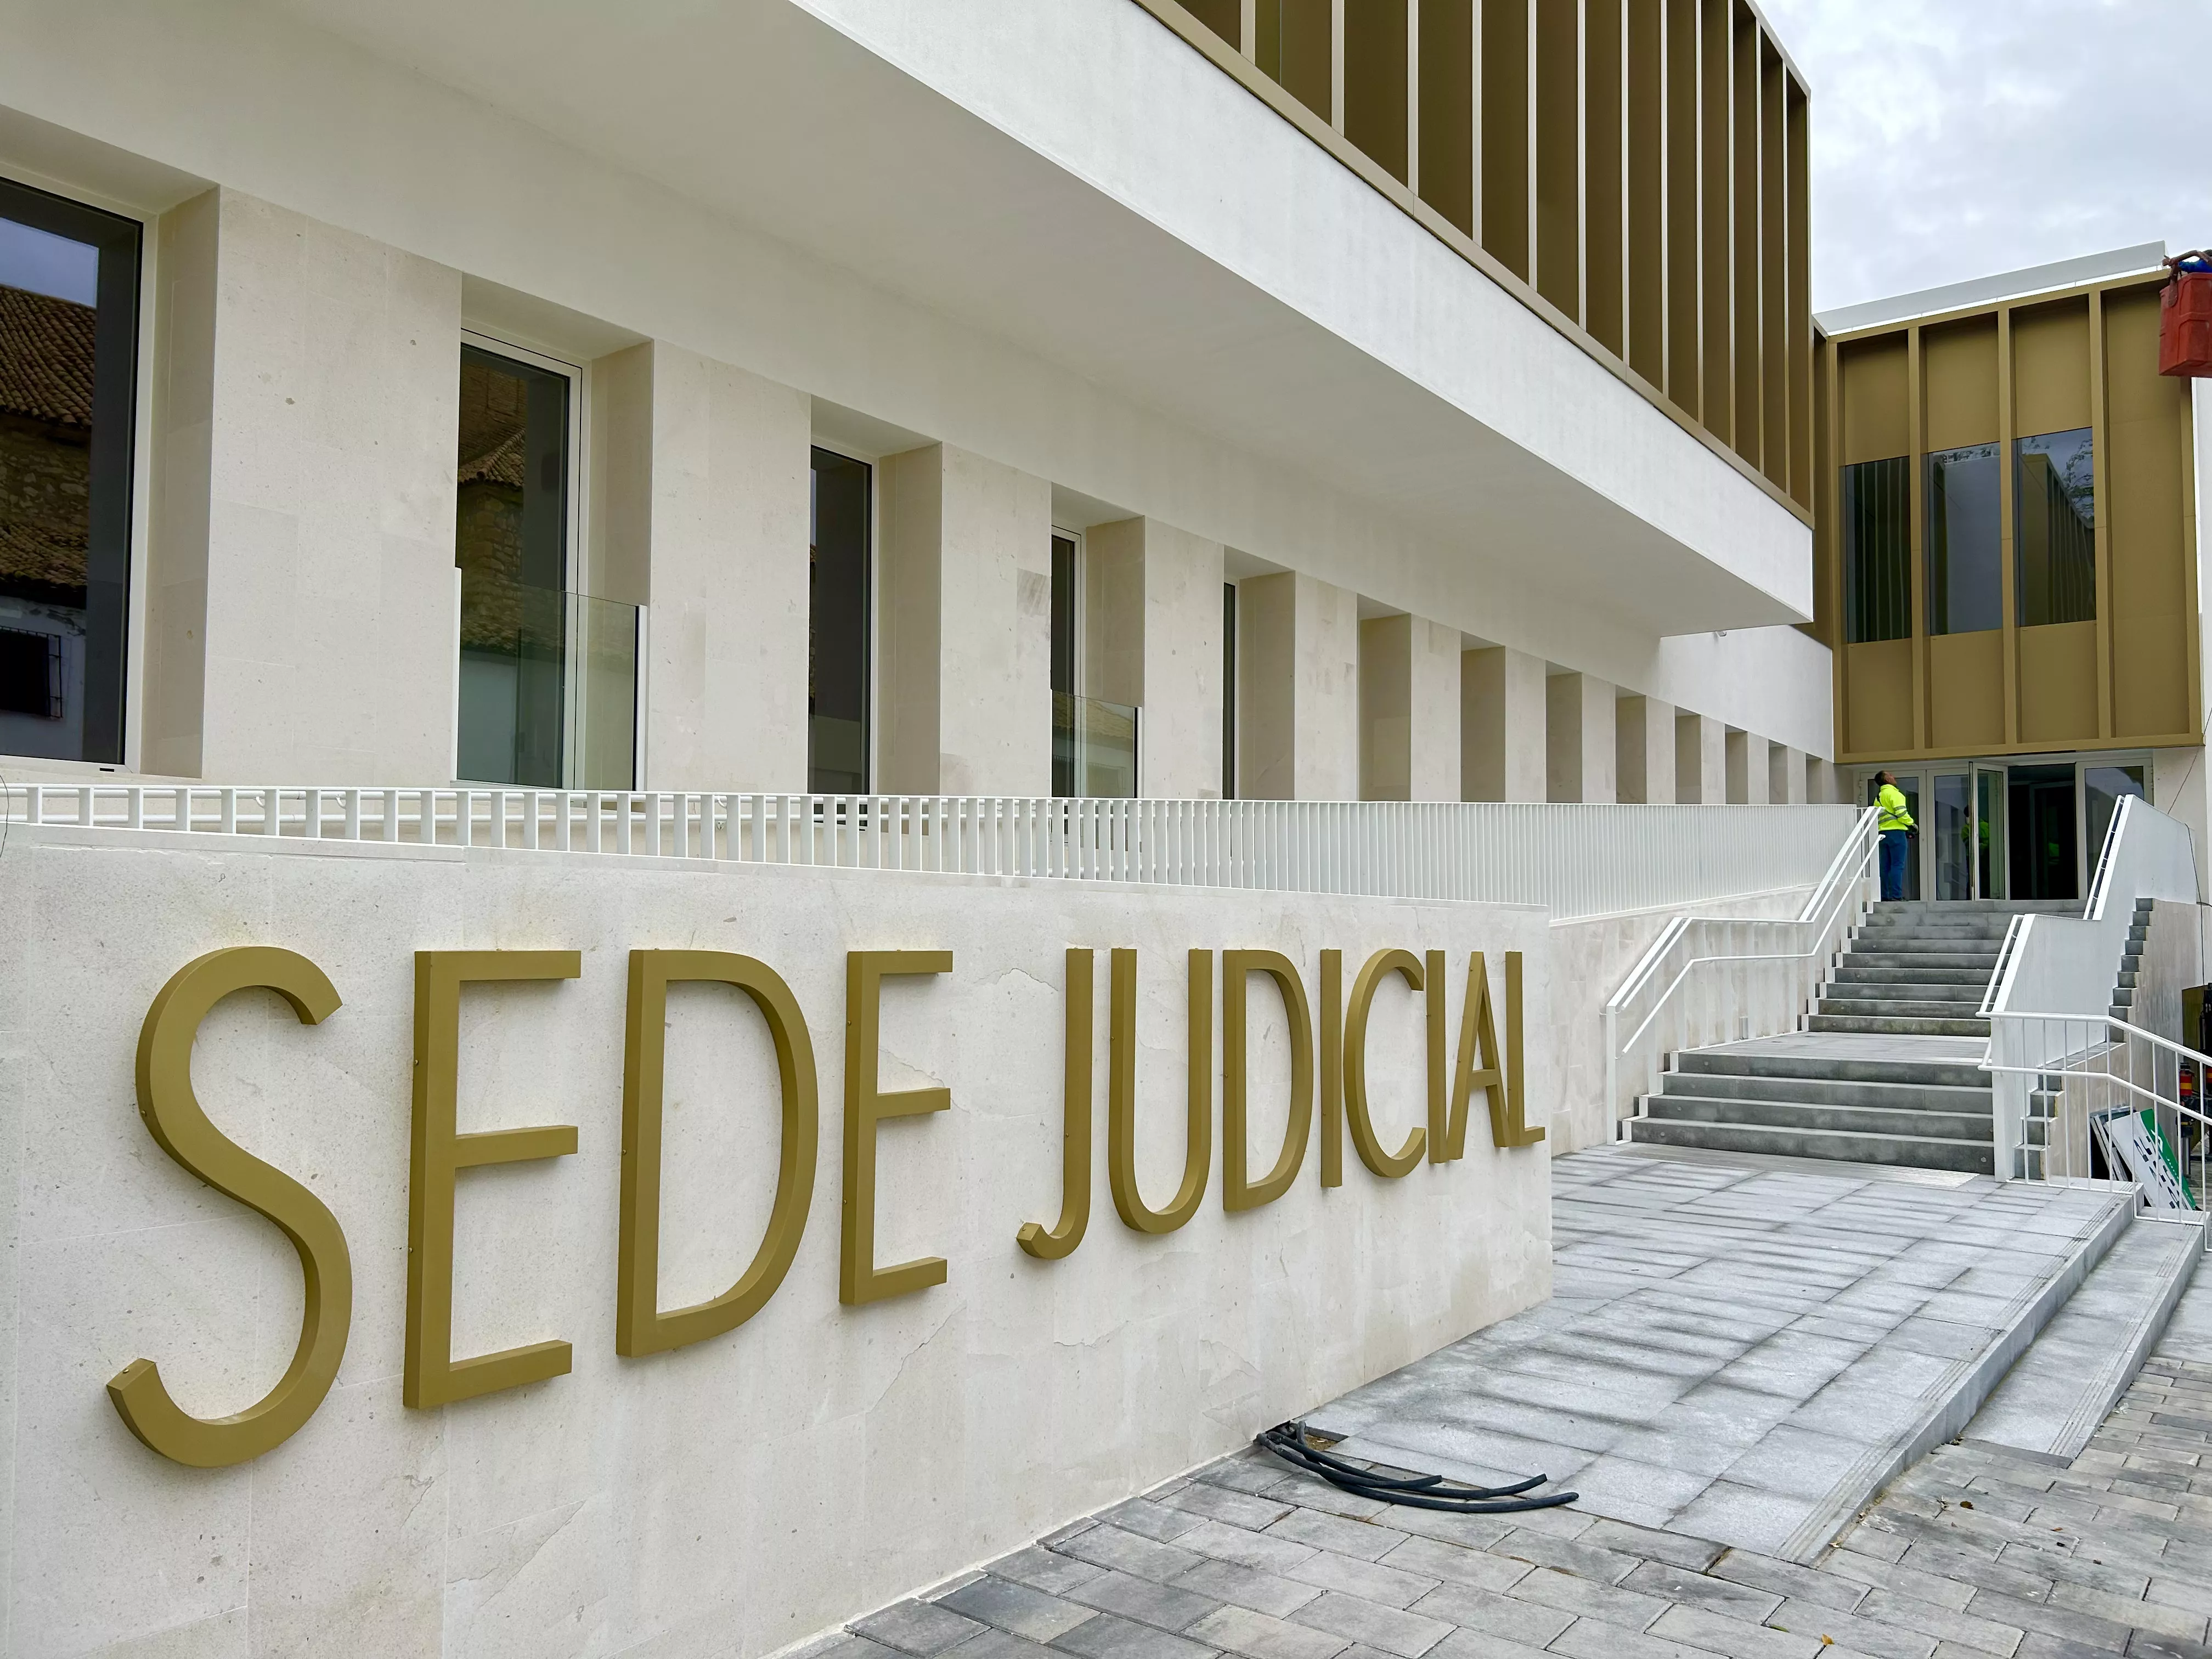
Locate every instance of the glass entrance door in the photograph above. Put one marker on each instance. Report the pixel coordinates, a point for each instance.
(1950, 836)
(1989, 867)
(2045, 849)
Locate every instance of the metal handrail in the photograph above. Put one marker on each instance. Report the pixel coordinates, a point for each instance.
(2090, 1059)
(1846, 874)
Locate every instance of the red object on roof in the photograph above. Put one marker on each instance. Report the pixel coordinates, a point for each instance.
(2184, 317)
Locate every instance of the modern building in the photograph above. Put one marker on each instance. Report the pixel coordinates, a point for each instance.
(2009, 566)
(1275, 429)
(610, 507)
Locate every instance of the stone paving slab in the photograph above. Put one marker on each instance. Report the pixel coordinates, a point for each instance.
(1738, 1352)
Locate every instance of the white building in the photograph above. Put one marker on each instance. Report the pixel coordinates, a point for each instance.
(1287, 403)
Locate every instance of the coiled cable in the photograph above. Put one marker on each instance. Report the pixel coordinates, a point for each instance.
(1426, 1492)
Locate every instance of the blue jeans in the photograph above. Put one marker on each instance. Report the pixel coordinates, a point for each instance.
(1896, 847)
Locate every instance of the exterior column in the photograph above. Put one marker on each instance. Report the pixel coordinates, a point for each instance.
(1409, 710)
(1643, 749)
(1785, 775)
(1152, 640)
(1746, 769)
(1820, 781)
(1501, 722)
(1579, 739)
(702, 489)
(1700, 761)
(1298, 690)
(301, 612)
(965, 640)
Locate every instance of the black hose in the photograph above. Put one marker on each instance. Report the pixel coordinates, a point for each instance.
(1426, 1492)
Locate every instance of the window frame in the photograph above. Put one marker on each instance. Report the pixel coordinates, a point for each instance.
(576, 563)
(116, 485)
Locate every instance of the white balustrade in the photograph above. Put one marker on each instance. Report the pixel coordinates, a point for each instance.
(1576, 860)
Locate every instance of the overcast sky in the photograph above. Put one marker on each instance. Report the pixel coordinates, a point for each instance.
(1958, 138)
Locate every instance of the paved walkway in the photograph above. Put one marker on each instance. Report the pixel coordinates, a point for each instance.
(1739, 1349)
(1973, 1554)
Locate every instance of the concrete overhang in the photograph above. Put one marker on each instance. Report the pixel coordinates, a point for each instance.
(1074, 179)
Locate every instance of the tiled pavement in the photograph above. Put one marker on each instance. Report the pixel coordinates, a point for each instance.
(1740, 1350)
(1970, 1555)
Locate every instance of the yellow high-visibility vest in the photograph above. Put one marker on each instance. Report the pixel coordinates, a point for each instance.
(1894, 813)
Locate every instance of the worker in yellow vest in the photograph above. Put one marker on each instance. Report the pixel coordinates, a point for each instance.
(1896, 835)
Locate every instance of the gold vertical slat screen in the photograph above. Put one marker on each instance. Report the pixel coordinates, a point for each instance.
(1641, 166)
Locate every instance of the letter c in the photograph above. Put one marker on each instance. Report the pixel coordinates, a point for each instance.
(173, 1118)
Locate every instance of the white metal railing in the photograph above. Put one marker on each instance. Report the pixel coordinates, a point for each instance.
(2058, 973)
(1576, 861)
(2084, 1078)
(1710, 979)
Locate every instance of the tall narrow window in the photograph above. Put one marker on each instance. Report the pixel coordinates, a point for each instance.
(837, 653)
(1229, 690)
(548, 674)
(69, 327)
(1067, 705)
(2055, 519)
(1878, 551)
(1966, 592)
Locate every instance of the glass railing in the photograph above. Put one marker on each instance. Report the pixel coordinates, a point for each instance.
(1094, 748)
(548, 689)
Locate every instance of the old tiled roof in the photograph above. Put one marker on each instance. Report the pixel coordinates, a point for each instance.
(49, 552)
(46, 357)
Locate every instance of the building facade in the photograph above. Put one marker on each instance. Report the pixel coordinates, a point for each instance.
(2009, 544)
(571, 583)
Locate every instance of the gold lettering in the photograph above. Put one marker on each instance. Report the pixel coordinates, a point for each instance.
(1332, 1069)
(1238, 1191)
(640, 1326)
(1122, 1097)
(1502, 1085)
(174, 1117)
(1388, 1165)
(866, 1104)
(1434, 996)
(1075, 1136)
(440, 1152)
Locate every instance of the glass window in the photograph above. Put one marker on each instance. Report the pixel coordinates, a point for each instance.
(548, 676)
(2055, 514)
(2040, 810)
(1965, 590)
(1878, 551)
(837, 653)
(2102, 789)
(69, 327)
(1229, 691)
(1066, 711)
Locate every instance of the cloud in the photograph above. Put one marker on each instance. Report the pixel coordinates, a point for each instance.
(1956, 138)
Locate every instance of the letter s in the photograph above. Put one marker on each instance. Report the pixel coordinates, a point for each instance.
(174, 1118)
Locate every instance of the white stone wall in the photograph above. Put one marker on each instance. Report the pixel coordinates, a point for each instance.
(302, 564)
(963, 626)
(725, 678)
(1297, 701)
(1153, 638)
(734, 1495)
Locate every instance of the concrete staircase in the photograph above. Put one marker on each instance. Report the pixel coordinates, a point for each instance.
(1877, 1091)
(1920, 969)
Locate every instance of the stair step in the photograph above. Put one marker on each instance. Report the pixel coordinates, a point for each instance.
(1920, 1151)
(1967, 992)
(1903, 1007)
(2053, 1398)
(1851, 972)
(1893, 1025)
(1941, 1073)
(1822, 1088)
(1808, 1114)
(1904, 952)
